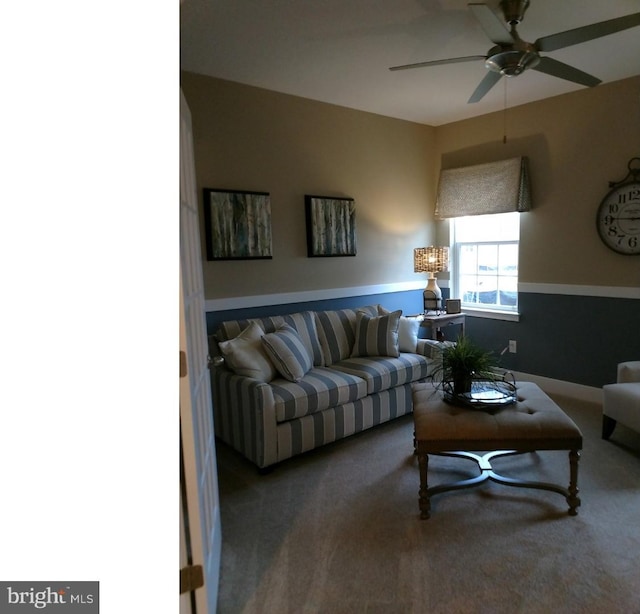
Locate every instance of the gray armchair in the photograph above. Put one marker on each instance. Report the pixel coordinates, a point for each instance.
(621, 401)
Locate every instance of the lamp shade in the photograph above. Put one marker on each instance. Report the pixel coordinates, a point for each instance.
(430, 259)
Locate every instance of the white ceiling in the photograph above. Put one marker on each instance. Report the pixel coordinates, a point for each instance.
(339, 51)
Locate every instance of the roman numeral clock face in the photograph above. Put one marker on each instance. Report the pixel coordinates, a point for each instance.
(618, 219)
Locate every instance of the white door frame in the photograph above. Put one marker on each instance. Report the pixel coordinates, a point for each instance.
(201, 508)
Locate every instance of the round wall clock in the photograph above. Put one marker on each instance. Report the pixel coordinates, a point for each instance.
(618, 218)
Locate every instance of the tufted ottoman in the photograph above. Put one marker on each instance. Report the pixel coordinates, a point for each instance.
(533, 423)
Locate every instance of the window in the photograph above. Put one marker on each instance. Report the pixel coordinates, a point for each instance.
(485, 263)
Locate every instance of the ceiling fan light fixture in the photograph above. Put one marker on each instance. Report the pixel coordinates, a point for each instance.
(511, 62)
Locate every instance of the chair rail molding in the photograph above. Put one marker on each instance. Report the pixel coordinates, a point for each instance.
(577, 290)
(262, 300)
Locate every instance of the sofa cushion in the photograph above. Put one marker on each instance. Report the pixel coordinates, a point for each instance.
(288, 353)
(246, 356)
(376, 336)
(382, 373)
(318, 390)
(336, 330)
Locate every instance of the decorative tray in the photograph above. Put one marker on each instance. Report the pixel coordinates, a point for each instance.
(485, 394)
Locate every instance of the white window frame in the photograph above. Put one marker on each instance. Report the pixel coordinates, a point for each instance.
(501, 312)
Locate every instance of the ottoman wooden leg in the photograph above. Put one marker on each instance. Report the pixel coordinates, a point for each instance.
(424, 501)
(572, 498)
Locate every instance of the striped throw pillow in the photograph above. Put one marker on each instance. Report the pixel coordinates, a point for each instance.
(336, 331)
(407, 331)
(288, 353)
(377, 336)
(305, 325)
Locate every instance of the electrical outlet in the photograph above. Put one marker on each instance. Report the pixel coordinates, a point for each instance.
(513, 348)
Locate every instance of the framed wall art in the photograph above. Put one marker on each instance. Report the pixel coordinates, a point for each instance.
(331, 226)
(237, 224)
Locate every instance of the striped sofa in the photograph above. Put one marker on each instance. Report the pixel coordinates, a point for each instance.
(345, 389)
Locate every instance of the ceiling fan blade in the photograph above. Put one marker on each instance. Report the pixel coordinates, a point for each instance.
(468, 58)
(587, 33)
(490, 79)
(555, 68)
(491, 24)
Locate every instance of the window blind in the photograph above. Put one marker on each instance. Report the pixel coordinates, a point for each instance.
(494, 187)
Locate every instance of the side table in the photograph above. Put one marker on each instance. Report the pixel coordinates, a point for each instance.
(435, 323)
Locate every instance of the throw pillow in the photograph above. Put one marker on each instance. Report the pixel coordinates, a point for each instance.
(246, 356)
(377, 336)
(232, 328)
(305, 325)
(288, 353)
(407, 331)
(336, 331)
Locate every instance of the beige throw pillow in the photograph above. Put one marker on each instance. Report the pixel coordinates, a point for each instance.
(245, 354)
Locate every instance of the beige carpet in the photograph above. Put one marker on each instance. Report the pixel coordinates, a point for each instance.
(338, 530)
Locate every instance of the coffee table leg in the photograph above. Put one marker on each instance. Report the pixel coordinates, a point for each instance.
(572, 498)
(424, 501)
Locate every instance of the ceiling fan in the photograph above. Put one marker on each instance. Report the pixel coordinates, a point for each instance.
(511, 55)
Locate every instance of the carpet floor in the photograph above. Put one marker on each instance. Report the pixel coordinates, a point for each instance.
(338, 530)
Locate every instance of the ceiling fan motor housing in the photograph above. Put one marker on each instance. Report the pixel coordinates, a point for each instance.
(512, 60)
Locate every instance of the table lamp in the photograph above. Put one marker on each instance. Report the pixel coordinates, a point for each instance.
(431, 260)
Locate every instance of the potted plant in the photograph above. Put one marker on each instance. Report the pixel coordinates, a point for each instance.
(463, 362)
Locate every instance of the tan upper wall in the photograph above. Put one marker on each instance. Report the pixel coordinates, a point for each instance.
(247, 138)
(253, 139)
(576, 144)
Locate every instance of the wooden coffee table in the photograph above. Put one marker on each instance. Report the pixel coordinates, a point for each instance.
(533, 423)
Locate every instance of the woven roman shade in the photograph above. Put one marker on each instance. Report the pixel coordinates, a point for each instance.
(494, 187)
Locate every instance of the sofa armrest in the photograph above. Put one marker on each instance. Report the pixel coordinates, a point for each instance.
(629, 371)
(432, 348)
(245, 416)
